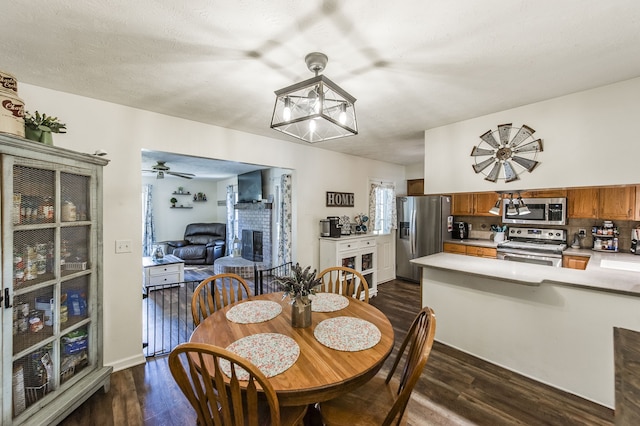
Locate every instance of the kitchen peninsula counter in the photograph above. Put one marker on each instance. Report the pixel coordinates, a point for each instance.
(595, 277)
(554, 325)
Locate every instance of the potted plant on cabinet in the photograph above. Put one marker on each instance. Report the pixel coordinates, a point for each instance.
(39, 127)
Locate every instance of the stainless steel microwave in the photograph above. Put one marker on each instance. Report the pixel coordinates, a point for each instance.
(542, 211)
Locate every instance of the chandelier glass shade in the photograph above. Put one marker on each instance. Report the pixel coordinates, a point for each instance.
(316, 109)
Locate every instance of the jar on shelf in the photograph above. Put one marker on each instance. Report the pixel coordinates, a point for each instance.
(597, 244)
(45, 210)
(68, 211)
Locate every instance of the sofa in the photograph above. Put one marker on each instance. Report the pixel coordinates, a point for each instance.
(203, 243)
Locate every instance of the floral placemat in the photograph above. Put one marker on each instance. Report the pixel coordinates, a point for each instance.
(254, 311)
(272, 353)
(328, 302)
(347, 334)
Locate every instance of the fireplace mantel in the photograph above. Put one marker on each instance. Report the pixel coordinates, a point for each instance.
(253, 206)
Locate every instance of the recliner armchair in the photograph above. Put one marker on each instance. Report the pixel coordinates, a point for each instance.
(203, 243)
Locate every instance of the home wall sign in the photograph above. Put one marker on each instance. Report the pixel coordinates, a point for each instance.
(508, 157)
(340, 199)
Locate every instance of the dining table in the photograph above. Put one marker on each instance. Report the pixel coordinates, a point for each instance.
(344, 347)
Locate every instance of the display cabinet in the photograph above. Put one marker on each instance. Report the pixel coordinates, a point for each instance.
(51, 281)
(356, 252)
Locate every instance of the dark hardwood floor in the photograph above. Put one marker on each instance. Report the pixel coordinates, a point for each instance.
(455, 389)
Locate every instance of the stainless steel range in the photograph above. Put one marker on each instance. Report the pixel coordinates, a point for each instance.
(534, 245)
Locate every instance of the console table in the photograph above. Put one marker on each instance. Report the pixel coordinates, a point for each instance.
(168, 270)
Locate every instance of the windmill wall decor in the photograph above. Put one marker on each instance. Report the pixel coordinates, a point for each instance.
(507, 157)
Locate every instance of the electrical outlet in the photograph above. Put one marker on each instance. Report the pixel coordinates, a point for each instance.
(123, 246)
(582, 233)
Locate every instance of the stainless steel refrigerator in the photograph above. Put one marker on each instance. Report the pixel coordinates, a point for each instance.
(424, 223)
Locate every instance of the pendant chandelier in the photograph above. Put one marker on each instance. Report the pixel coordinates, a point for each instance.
(316, 109)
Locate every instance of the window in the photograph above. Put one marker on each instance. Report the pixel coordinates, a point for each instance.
(382, 207)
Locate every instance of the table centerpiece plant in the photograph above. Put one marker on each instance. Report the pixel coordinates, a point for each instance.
(299, 285)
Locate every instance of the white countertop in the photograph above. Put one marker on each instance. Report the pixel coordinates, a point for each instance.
(594, 277)
(348, 237)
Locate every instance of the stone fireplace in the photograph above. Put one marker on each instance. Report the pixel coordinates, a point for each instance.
(254, 228)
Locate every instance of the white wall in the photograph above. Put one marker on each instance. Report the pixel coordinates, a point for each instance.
(589, 138)
(171, 223)
(124, 131)
(414, 171)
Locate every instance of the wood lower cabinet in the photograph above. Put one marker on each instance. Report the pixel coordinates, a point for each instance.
(478, 251)
(454, 248)
(575, 262)
(51, 281)
(470, 250)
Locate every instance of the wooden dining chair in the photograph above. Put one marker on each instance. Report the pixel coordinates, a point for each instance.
(345, 281)
(383, 401)
(215, 293)
(197, 369)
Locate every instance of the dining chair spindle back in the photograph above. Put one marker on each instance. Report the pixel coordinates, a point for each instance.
(197, 369)
(215, 293)
(383, 401)
(345, 281)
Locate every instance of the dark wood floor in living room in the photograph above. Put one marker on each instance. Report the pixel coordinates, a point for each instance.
(455, 389)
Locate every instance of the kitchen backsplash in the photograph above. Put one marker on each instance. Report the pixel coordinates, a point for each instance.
(481, 228)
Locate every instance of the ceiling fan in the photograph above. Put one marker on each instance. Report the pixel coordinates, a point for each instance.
(160, 168)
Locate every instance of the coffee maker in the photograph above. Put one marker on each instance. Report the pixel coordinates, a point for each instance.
(330, 227)
(460, 231)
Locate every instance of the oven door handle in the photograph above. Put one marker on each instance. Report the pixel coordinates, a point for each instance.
(524, 252)
(535, 259)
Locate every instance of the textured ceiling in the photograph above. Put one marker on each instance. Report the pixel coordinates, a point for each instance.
(412, 65)
(198, 166)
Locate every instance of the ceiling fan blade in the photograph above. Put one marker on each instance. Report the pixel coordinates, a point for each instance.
(509, 174)
(523, 133)
(504, 130)
(481, 151)
(535, 146)
(525, 162)
(182, 175)
(481, 166)
(488, 138)
(493, 174)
